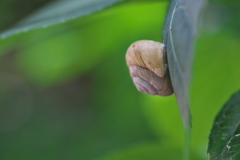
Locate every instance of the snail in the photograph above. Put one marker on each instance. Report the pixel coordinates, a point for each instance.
(147, 63)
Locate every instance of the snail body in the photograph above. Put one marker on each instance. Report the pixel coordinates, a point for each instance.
(147, 64)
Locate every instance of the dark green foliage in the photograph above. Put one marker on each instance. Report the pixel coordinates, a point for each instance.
(65, 91)
(11, 11)
(58, 12)
(224, 140)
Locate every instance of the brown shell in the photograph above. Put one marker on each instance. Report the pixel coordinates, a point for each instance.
(147, 64)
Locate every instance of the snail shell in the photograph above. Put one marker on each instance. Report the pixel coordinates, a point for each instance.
(147, 64)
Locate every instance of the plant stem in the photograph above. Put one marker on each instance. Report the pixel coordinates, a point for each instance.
(186, 145)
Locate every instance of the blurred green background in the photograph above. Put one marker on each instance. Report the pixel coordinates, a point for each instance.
(65, 90)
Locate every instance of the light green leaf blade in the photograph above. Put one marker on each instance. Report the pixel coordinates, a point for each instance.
(179, 33)
(224, 140)
(58, 12)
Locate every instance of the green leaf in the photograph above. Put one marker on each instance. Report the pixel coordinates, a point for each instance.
(58, 12)
(12, 11)
(224, 140)
(179, 33)
(64, 51)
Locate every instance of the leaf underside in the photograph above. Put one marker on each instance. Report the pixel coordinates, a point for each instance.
(58, 12)
(179, 33)
(224, 139)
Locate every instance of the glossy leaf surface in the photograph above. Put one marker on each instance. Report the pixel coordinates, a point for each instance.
(58, 12)
(179, 33)
(224, 140)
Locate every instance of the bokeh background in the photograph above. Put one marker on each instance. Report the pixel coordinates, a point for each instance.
(65, 90)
